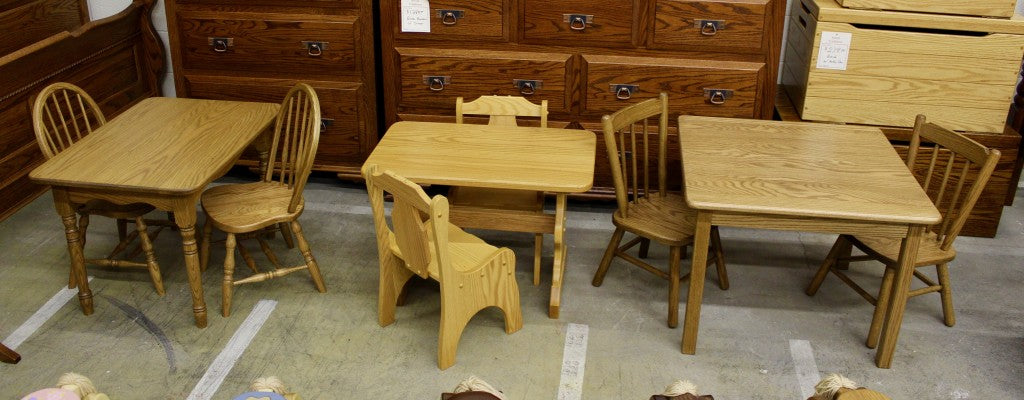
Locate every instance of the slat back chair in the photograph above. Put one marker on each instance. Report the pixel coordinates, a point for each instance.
(503, 111)
(248, 209)
(953, 171)
(63, 114)
(646, 208)
(473, 275)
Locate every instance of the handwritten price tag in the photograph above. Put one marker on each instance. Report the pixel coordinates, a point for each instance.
(834, 50)
(416, 16)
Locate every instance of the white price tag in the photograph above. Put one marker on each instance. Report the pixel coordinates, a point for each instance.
(834, 50)
(416, 16)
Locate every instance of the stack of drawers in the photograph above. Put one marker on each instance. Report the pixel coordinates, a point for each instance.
(258, 49)
(712, 57)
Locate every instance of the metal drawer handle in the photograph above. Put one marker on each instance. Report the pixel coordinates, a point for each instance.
(527, 86)
(450, 17)
(220, 44)
(709, 27)
(717, 96)
(624, 92)
(437, 83)
(326, 123)
(578, 22)
(314, 49)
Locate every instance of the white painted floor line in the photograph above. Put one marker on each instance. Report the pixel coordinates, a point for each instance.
(37, 320)
(220, 367)
(806, 369)
(574, 361)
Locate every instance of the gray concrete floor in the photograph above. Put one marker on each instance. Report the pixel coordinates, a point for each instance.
(329, 346)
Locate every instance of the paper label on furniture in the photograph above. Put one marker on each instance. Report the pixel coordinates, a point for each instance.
(416, 16)
(834, 50)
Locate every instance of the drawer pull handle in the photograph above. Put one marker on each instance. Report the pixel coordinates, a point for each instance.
(450, 17)
(717, 96)
(624, 92)
(710, 27)
(314, 49)
(578, 22)
(220, 44)
(326, 123)
(437, 83)
(527, 86)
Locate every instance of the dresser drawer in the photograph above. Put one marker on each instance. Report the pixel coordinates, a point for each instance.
(277, 44)
(314, 3)
(341, 140)
(606, 23)
(461, 20)
(433, 78)
(700, 87)
(717, 24)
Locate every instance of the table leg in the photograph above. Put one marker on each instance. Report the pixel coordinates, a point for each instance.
(68, 216)
(262, 145)
(699, 265)
(558, 271)
(900, 291)
(185, 218)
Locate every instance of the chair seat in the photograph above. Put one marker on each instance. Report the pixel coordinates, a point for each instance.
(246, 207)
(665, 219)
(117, 211)
(505, 199)
(887, 249)
(466, 250)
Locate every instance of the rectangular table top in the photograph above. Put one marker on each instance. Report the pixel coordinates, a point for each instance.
(160, 145)
(797, 169)
(528, 158)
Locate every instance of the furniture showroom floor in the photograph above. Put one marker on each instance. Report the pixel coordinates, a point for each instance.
(761, 339)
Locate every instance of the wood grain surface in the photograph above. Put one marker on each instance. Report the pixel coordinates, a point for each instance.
(991, 8)
(829, 10)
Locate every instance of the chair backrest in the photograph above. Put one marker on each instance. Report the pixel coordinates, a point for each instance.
(503, 110)
(949, 165)
(411, 211)
(627, 138)
(296, 136)
(62, 115)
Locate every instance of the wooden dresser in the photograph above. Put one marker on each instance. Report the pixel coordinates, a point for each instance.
(587, 58)
(258, 49)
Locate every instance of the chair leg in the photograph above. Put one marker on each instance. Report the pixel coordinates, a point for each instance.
(448, 336)
(881, 306)
(716, 246)
(645, 247)
(229, 270)
(674, 258)
(147, 248)
(949, 317)
(538, 247)
(393, 279)
(830, 260)
(286, 232)
(204, 246)
(83, 226)
(609, 254)
(846, 251)
(314, 270)
(507, 291)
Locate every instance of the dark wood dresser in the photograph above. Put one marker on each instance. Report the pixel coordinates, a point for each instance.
(258, 49)
(587, 58)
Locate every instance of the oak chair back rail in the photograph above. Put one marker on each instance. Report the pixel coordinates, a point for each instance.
(645, 207)
(953, 170)
(502, 110)
(247, 210)
(63, 114)
(473, 275)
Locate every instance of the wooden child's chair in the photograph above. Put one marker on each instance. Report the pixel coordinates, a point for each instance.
(473, 274)
(250, 208)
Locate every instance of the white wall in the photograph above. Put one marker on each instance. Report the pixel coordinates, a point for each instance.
(105, 8)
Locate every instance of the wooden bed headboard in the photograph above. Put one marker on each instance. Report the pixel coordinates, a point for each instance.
(118, 60)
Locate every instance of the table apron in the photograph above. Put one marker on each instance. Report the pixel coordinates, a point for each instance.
(502, 220)
(808, 224)
(161, 201)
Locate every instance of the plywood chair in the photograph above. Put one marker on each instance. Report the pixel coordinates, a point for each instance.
(62, 115)
(645, 206)
(473, 274)
(249, 208)
(503, 111)
(953, 171)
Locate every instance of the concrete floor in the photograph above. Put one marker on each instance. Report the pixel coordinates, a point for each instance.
(753, 337)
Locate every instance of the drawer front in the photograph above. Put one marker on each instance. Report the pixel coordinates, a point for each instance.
(699, 87)
(316, 3)
(604, 23)
(719, 24)
(276, 45)
(434, 78)
(460, 20)
(341, 141)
